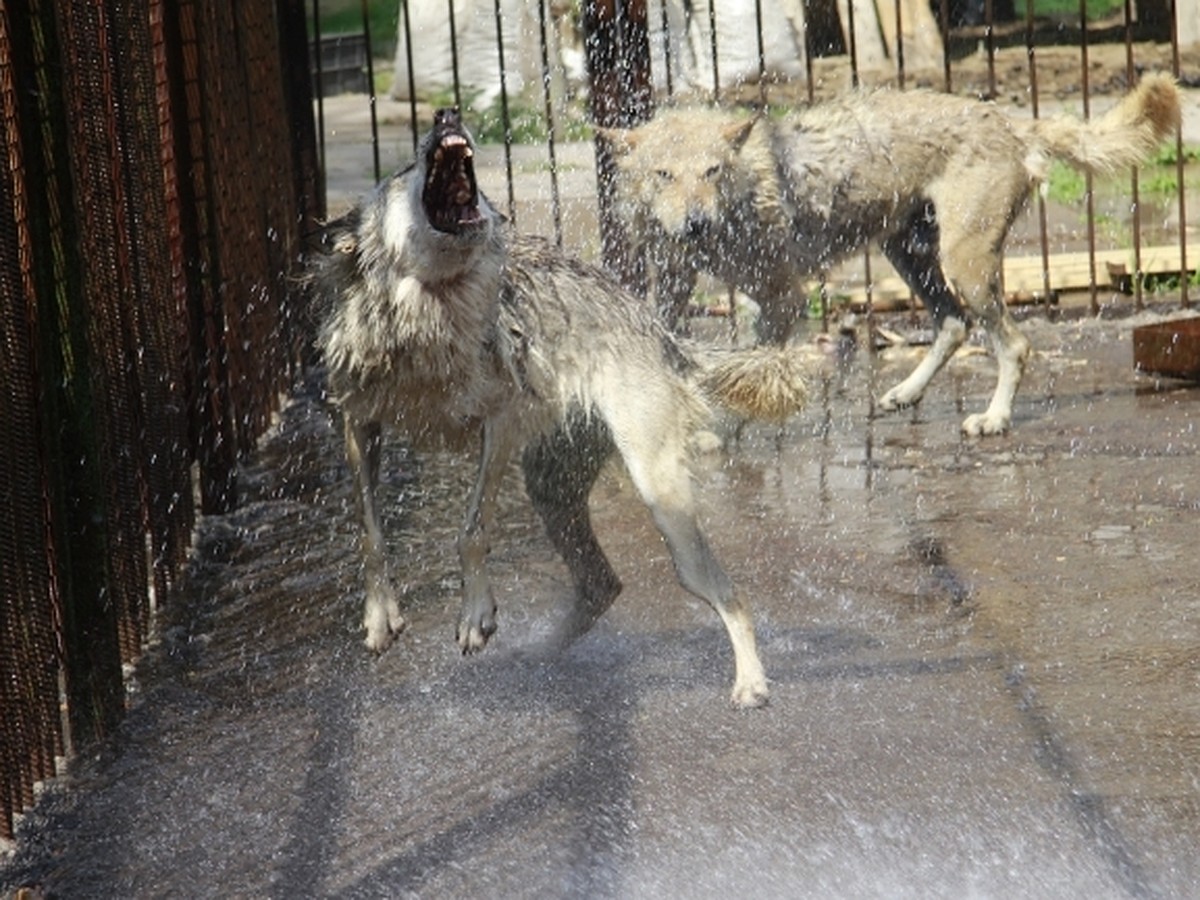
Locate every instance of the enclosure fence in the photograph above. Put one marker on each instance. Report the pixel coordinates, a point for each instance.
(644, 53)
(159, 179)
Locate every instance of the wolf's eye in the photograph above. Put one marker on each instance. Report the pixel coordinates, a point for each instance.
(712, 172)
(664, 175)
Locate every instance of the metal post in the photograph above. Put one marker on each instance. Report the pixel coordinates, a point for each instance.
(617, 45)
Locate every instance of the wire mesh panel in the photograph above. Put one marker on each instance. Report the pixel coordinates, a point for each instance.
(30, 733)
(152, 210)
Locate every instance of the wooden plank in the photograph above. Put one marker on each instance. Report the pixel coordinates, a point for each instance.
(1071, 271)
(1023, 274)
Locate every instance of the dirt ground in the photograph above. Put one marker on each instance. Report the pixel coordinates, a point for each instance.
(1007, 78)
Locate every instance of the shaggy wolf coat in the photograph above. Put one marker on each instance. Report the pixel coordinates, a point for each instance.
(936, 179)
(441, 322)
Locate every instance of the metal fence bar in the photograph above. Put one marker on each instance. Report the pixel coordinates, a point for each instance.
(668, 74)
(1089, 181)
(366, 25)
(548, 109)
(505, 115)
(458, 100)
(1043, 228)
(1180, 183)
(712, 38)
(618, 53)
(406, 21)
(1130, 80)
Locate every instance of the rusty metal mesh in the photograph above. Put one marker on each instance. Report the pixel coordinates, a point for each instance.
(156, 191)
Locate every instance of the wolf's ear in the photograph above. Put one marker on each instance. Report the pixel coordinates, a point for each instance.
(736, 134)
(621, 140)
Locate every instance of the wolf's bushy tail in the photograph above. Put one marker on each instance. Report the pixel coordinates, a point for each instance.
(762, 383)
(1124, 136)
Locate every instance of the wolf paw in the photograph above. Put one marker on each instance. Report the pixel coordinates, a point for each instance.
(982, 424)
(897, 398)
(753, 695)
(474, 629)
(383, 622)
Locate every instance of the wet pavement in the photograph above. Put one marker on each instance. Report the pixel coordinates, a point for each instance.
(984, 659)
(984, 656)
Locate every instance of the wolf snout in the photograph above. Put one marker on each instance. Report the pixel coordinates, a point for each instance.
(447, 117)
(696, 224)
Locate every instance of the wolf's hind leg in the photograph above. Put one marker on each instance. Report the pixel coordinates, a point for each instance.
(656, 462)
(1012, 350)
(381, 615)
(700, 573)
(559, 471)
(972, 261)
(913, 251)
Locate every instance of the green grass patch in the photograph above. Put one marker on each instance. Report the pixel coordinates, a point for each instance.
(1068, 186)
(346, 17)
(1069, 9)
(1065, 185)
(527, 119)
(1168, 155)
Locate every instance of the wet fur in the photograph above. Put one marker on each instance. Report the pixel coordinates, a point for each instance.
(936, 179)
(491, 336)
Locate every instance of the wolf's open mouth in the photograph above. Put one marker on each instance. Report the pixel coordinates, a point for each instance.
(451, 197)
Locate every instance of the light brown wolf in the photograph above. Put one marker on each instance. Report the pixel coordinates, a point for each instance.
(441, 322)
(936, 179)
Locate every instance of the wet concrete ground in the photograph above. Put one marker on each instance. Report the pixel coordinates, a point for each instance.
(984, 659)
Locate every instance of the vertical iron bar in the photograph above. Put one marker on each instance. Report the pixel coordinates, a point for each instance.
(366, 24)
(555, 202)
(808, 51)
(1031, 54)
(412, 85)
(712, 42)
(762, 55)
(666, 39)
(616, 42)
(989, 42)
(1136, 206)
(853, 44)
(453, 55)
(320, 92)
(505, 119)
(1088, 180)
(1184, 300)
(944, 15)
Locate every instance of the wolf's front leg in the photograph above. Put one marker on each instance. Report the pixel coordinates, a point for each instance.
(1012, 350)
(950, 335)
(381, 615)
(675, 280)
(477, 619)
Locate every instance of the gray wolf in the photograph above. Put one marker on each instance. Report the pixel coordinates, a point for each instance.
(440, 321)
(936, 179)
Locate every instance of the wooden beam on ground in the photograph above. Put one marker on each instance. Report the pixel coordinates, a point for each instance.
(1023, 275)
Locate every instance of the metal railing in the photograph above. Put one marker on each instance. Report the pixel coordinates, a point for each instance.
(643, 52)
